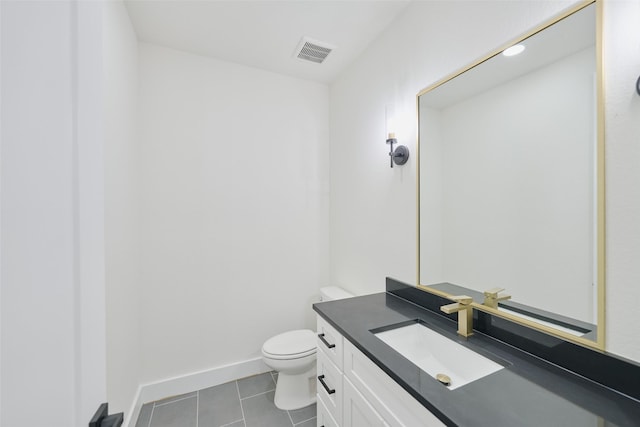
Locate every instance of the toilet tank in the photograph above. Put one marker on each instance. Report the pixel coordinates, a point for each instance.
(330, 293)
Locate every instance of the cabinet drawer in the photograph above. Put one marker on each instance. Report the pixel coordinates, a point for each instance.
(330, 341)
(325, 419)
(394, 404)
(357, 411)
(329, 385)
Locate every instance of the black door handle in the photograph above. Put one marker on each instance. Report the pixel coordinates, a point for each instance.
(321, 336)
(326, 387)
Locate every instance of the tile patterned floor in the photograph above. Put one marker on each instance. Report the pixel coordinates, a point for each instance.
(246, 402)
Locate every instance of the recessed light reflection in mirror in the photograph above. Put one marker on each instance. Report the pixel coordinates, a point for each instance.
(514, 50)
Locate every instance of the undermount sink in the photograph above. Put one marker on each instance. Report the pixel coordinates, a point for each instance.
(436, 354)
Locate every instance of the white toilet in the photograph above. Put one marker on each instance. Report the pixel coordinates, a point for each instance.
(293, 355)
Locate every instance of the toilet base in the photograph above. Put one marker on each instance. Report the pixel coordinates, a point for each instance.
(295, 391)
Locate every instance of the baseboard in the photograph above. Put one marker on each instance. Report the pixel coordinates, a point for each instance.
(191, 382)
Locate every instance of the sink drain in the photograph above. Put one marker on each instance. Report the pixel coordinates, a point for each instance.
(444, 379)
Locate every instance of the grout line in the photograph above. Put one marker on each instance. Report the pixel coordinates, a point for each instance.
(151, 416)
(258, 394)
(312, 418)
(241, 408)
(197, 408)
(232, 422)
(290, 419)
(173, 401)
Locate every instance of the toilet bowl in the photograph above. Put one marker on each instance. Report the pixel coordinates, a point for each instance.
(293, 355)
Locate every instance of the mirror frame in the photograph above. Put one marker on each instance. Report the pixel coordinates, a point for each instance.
(599, 344)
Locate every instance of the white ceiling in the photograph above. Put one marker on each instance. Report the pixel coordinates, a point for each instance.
(265, 33)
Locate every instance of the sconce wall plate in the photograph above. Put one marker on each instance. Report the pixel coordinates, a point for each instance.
(638, 86)
(400, 155)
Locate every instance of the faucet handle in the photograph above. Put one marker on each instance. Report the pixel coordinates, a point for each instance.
(493, 292)
(462, 302)
(492, 296)
(462, 299)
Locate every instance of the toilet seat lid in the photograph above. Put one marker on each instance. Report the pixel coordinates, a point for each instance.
(293, 343)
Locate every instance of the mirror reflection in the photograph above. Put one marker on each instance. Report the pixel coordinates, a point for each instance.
(508, 177)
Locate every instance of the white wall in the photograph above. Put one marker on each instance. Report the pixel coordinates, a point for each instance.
(234, 166)
(517, 188)
(373, 207)
(122, 206)
(52, 310)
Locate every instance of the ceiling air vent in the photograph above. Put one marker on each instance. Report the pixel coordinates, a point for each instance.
(313, 50)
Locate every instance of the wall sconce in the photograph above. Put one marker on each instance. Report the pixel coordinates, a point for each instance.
(400, 155)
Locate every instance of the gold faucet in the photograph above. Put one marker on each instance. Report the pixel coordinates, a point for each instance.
(462, 306)
(491, 297)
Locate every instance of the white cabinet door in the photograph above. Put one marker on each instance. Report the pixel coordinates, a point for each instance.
(356, 411)
(324, 416)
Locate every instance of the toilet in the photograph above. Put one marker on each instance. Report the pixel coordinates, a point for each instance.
(293, 355)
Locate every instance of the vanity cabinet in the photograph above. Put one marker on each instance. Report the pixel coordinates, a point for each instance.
(329, 373)
(354, 392)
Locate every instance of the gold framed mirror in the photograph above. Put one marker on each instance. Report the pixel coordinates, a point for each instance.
(511, 180)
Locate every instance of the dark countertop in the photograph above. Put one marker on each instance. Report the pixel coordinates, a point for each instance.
(528, 392)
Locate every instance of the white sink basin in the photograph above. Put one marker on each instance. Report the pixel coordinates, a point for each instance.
(436, 354)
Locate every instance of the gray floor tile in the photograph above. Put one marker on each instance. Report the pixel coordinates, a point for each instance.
(256, 384)
(174, 398)
(309, 423)
(219, 405)
(145, 415)
(180, 413)
(236, 424)
(303, 414)
(274, 374)
(259, 411)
